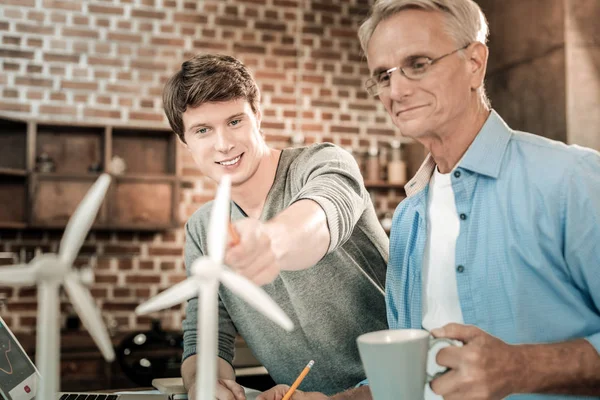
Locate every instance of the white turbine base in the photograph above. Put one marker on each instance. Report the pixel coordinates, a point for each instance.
(48, 342)
(206, 348)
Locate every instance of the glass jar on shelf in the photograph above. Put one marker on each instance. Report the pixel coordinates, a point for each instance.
(396, 167)
(373, 168)
(383, 163)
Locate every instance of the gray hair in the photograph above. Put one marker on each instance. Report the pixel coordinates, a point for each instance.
(465, 22)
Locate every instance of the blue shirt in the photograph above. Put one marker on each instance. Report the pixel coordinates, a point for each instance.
(528, 253)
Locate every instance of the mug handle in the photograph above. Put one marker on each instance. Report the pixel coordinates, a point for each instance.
(432, 342)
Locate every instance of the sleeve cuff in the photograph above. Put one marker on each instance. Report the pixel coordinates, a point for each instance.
(331, 214)
(594, 341)
(188, 351)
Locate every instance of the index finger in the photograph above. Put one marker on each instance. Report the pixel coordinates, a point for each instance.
(464, 333)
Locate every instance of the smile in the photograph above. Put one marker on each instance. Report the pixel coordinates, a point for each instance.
(408, 109)
(231, 162)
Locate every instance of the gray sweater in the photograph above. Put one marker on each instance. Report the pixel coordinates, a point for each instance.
(330, 303)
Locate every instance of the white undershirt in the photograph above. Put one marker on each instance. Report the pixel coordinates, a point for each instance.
(440, 294)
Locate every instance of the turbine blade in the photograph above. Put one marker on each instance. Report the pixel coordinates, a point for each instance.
(82, 219)
(90, 316)
(219, 221)
(174, 295)
(256, 297)
(19, 274)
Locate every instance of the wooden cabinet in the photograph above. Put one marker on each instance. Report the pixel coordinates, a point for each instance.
(46, 169)
(13, 146)
(13, 173)
(143, 202)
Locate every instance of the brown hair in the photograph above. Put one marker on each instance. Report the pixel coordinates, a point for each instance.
(207, 78)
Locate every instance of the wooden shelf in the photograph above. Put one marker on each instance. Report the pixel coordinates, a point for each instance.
(13, 172)
(12, 225)
(92, 176)
(145, 197)
(96, 227)
(138, 227)
(383, 185)
(13, 144)
(143, 203)
(60, 226)
(71, 149)
(146, 178)
(145, 152)
(13, 198)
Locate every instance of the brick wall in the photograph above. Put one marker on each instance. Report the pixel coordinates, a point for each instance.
(106, 61)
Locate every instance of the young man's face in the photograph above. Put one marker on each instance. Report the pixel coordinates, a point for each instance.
(419, 107)
(224, 138)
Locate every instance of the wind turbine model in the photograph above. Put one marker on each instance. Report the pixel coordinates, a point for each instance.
(50, 271)
(206, 273)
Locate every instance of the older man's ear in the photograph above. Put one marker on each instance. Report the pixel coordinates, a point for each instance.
(477, 54)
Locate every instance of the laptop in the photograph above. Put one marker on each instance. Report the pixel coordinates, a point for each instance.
(19, 377)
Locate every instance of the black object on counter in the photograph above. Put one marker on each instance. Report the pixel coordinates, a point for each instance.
(144, 356)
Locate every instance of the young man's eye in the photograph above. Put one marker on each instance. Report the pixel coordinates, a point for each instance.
(235, 122)
(201, 131)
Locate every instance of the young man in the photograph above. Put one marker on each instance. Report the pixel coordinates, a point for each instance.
(308, 233)
(500, 229)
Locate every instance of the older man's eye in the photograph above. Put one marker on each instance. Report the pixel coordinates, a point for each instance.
(420, 64)
(383, 78)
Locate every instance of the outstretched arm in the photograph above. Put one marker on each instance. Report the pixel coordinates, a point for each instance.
(328, 200)
(295, 239)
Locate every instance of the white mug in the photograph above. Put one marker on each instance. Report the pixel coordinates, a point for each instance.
(395, 361)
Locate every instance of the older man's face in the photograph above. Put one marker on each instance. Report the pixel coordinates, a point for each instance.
(420, 107)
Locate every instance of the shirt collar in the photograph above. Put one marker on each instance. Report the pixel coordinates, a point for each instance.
(484, 156)
(421, 178)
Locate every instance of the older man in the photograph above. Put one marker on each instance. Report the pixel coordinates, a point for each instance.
(500, 229)
(496, 244)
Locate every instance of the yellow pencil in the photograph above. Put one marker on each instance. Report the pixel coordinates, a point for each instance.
(298, 380)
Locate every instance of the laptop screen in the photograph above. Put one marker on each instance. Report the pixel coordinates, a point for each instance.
(18, 375)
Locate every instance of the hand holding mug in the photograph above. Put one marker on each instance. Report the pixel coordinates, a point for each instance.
(484, 368)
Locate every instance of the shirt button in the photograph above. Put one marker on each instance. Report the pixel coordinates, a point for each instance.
(457, 174)
(463, 216)
(460, 269)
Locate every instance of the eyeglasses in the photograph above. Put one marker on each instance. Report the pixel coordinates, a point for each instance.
(415, 70)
